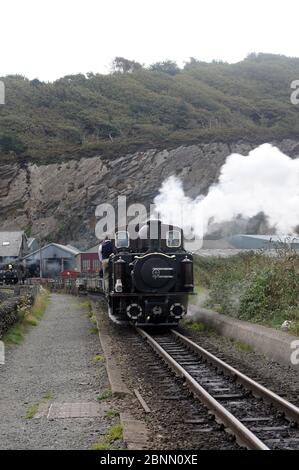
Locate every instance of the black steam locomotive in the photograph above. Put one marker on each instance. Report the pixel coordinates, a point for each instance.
(9, 274)
(149, 277)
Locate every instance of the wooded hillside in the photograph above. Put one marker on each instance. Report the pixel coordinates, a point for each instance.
(161, 106)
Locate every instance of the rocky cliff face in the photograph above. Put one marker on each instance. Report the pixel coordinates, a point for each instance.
(59, 200)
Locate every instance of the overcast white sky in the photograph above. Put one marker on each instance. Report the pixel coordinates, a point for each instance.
(51, 38)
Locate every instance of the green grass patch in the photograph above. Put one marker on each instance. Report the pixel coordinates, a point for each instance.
(105, 395)
(86, 305)
(93, 331)
(14, 335)
(241, 346)
(115, 433)
(99, 358)
(92, 317)
(32, 410)
(40, 305)
(197, 327)
(47, 396)
(28, 316)
(112, 413)
(102, 445)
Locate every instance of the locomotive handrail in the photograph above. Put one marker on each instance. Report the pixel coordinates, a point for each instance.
(154, 253)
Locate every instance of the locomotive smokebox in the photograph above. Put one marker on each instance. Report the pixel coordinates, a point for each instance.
(155, 272)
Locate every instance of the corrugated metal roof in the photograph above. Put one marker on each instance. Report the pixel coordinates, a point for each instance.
(93, 249)
(273, 238)
(71, 250)
(11, 243)
(245, 241)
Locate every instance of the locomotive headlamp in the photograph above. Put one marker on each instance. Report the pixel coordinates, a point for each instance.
(119, 274)
(118, 286)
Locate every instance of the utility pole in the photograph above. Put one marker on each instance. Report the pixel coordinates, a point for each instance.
(40, 253)
(40, 258)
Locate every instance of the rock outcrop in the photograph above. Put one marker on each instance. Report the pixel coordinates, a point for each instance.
(58, 200)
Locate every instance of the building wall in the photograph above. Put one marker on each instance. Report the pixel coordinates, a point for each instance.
(88, 262)
(54, 261)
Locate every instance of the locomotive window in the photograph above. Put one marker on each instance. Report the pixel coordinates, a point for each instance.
(173, 239)
(122, 239)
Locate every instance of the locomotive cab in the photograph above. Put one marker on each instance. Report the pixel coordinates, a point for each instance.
(150, 275)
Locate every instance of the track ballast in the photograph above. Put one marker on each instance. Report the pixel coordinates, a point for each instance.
(255, 416)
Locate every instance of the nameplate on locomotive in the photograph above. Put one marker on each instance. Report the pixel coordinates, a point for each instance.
(157, 274)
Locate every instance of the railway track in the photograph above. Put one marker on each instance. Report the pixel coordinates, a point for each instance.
(254, 415)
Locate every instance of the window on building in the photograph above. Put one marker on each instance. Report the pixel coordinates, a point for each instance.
(96, 265)
(86, 264)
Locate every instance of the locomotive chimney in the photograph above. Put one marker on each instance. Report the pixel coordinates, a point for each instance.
(155, 235)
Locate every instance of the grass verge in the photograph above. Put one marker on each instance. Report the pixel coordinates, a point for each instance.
(28, 315)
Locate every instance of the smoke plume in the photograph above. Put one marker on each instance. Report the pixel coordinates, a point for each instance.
(265, 181)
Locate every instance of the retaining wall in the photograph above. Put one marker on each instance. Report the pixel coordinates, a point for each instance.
(274, 344)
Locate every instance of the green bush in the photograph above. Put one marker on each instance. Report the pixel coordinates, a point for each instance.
(273, 290)
(253, 286)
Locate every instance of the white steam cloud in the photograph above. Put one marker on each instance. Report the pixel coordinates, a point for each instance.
(265, 181)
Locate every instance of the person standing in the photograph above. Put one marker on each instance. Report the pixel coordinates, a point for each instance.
(105, 250)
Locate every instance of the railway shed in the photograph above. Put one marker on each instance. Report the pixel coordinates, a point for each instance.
(52, 259)
(257, 242)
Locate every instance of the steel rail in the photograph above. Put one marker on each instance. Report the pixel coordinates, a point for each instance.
(243, 434)
(291, 411)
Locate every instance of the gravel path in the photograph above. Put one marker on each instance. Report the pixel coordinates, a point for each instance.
(53, 365)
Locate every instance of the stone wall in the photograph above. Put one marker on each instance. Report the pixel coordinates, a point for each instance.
(8, 314)
(9, 305)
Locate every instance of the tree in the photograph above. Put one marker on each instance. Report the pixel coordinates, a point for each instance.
(122, 65)
(11, 143)
(182, 116)
(35, 82)
(192, 63)
(168, 66)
